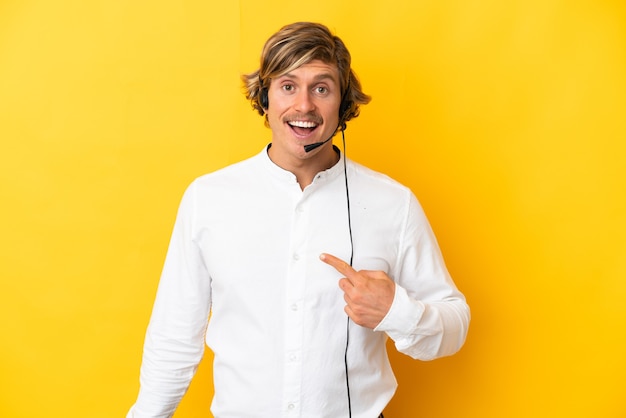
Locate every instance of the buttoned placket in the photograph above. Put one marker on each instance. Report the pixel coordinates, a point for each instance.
(294, 312)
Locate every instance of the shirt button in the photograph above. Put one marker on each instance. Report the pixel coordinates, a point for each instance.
(296, 257)
(291, 406)
(292, 357)
(294, 307)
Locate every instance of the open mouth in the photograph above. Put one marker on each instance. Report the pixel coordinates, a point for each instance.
(302, 128)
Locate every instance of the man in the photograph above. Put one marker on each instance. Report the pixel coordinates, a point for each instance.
(265, 247)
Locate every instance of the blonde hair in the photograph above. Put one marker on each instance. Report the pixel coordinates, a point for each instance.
(295, 45)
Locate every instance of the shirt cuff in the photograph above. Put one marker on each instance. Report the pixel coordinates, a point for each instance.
(403, 316)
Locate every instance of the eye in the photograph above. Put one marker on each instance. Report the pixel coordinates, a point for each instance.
(321, 90)
(288, 87)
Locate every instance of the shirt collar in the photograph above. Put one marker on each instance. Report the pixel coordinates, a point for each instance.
(288, 177)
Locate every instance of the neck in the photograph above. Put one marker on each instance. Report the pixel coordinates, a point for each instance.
(305, 169)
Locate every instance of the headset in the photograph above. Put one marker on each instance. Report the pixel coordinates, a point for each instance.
(344, 107)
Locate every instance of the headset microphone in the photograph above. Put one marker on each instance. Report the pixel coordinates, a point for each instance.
(311, 147)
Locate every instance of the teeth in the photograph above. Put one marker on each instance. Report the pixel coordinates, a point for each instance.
(303, 124)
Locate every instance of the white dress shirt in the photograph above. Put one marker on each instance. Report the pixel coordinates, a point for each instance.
(245, 251)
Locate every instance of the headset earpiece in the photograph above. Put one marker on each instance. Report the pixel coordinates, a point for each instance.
(344, 107)
(263, 99)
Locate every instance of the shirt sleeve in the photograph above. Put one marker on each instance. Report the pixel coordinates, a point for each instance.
(174, 343)
(429, 317)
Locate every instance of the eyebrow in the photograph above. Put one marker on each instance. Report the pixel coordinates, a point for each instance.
(316, 79)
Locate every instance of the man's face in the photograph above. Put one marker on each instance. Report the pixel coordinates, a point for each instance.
(303, 109)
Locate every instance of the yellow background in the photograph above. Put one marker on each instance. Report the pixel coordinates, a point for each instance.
(507, 119)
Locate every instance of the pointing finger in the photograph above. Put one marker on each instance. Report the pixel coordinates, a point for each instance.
(338, 264)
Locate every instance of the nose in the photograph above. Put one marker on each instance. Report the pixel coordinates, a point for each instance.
(304, 102)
